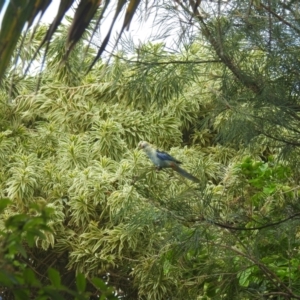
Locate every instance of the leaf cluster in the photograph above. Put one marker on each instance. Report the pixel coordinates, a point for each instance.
(18, 278)
(152, 235)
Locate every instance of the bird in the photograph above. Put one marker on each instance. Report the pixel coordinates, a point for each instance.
(164, 160)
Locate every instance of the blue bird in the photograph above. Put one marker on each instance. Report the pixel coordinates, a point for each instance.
(164, 160)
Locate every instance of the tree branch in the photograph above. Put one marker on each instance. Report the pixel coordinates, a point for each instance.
(244, 78)
(244, 228)
(279, 18)
(168, 62)
(270, 274)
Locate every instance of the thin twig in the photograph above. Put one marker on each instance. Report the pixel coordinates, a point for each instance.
(280, 18)
(249, 228)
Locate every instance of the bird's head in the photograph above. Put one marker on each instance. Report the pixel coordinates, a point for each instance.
(143, 145)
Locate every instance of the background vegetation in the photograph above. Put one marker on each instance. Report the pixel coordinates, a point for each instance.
(226, 104)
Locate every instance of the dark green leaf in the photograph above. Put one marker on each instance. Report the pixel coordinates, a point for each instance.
(80, 282)
(54, 276)
(99, 283)
(53, 293)
(4, 202)
(16, 221)
(7, 279)
(21, 294)
(30, 277)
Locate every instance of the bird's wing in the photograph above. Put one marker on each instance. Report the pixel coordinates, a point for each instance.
(165, 156)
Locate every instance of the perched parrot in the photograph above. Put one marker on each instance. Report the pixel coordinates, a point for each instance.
(165, 160)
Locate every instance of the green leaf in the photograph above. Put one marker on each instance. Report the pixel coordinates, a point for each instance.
(16, 222)
(211, 290)
(7, 279)
(30, 277)
(269, 189)
(244, 277)
(99, 284)
(15, 246)
(52, 293)
(21, 249)
(21, 294)
(80, 283)
(4, 202)
(54, 276)
(30, 238)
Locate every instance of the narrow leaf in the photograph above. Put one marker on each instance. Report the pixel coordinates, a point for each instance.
(99, 284)
(4, 202)
(83, 16)
(119, 8)
(17, 14)
(80, 283)
(133, 4)
(54, 277)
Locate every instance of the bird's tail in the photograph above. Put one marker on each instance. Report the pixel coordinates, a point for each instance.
(185, 174)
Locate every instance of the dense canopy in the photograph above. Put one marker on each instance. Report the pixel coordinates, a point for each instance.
(221, 94)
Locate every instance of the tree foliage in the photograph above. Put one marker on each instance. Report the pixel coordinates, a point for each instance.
(225, 105)
(18, 276)
(86, 12)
